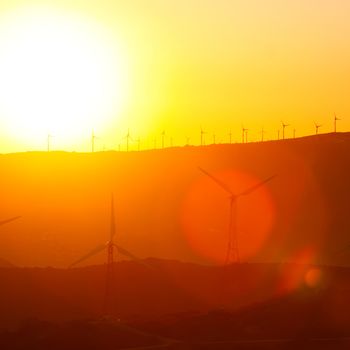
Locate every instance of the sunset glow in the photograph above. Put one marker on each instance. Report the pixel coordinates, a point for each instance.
(173, 66)
(60, 75)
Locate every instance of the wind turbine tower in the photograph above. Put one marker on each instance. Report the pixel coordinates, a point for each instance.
(317, 126)
(263, 132)
(93, 138)
(163, 138)
(284, 126)
(202, 137)
(110, 247)
(49, 137)
(335, 122)
(233, 253)
(128, 138)
(244, 134)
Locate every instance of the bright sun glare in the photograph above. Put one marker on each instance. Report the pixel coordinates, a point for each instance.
(60, 74)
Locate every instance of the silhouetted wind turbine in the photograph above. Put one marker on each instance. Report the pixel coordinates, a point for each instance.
(335, 122)
(4, 222)
(263, 132)
(214, 139)
(284, 126)
(109, 247)
(244, 134)
(202, 137)
(294, 133)
(163, 138)
(232, 254)
(317, 126)
(230, 135)
(9, 220)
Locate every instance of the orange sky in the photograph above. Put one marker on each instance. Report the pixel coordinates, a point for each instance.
(191, 63)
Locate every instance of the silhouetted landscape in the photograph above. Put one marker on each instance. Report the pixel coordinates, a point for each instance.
(290, 291)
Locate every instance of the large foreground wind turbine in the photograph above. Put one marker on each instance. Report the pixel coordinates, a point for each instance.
(109, 247)
(232, 254)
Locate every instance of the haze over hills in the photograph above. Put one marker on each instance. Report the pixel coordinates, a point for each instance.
(166, 208)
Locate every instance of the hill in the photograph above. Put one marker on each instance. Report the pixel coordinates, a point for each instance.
(167, 208)
(177, 306)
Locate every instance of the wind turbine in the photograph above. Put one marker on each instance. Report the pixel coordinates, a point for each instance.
(317, 126)
(93, 138)
(110, 246)
(263, 132)
(244, 134)
(202, 137)
(214, 139)
(232, 254)
(138, 144)
(49, 137)
(127, 137)
(3, 222)
(163, 137)
(335, 122)
(230, 135)
(283, 128)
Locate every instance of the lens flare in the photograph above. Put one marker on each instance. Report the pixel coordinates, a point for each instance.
(205, 216)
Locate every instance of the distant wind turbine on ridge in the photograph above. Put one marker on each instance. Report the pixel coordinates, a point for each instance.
(128, 138)
(110, 247)
(49, 137)
(335, 122)
(284, 126)
(233, 254)
(202, 137)
(317, 126)
(244, 134)
(93, 139)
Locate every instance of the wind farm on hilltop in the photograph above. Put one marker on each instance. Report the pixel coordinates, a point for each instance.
(174, 175)
(127, 143)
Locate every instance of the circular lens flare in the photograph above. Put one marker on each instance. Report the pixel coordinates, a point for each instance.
(206, 213)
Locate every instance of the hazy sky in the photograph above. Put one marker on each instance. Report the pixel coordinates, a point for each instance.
(219, 64)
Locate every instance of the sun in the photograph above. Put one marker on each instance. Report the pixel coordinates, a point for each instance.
(60, 74)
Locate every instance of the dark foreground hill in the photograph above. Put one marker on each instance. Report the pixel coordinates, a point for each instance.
(166, 208)
(177, 306)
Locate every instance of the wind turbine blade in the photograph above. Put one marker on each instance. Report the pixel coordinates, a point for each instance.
(88, 255)
(219, 182)
(6, 263)
(131, 256)
(9, 220)
(112, 233)
(255, 187)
